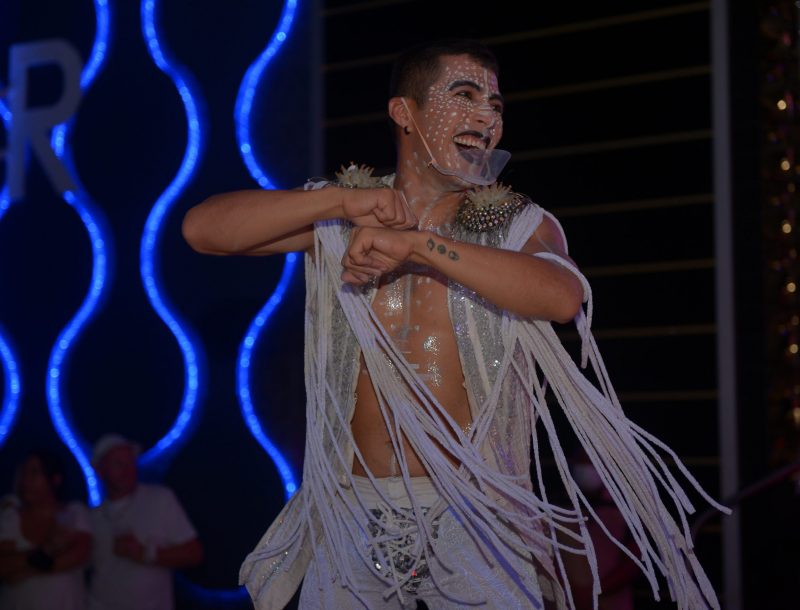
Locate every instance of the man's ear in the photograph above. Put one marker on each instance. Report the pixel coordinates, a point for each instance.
(398, 112)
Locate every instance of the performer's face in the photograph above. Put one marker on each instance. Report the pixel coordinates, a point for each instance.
(463, 109)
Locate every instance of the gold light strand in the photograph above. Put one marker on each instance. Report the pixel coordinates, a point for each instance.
(779, 172)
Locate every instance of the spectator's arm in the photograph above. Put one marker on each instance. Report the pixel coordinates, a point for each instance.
(75, 554)
(13, 563)
(184, 555)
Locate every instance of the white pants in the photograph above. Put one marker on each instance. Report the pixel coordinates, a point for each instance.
(486, 586)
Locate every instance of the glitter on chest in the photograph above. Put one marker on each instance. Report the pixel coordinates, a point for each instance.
(405, 303)
(432, 344)
(392, 298)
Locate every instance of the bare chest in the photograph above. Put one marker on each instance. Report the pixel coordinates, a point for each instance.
(413, 309)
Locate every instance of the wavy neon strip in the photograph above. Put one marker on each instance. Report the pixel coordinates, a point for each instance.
(5, 115)
(243, 376)
(12, 389)
(95, 227)
(189, 346)
(244, 105)
(5, 202)
(96, 58)
(247, 92)
(56, 399)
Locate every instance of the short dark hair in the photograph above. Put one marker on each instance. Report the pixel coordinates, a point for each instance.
(418, 67)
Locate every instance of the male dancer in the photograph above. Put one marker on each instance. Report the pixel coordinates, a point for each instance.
(428, 348)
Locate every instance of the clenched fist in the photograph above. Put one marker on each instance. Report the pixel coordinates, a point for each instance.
(381, 207)
(375, 251)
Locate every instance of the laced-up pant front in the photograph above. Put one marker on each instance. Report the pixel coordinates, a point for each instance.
(473, 583)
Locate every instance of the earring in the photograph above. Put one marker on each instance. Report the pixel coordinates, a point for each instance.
(406, 130)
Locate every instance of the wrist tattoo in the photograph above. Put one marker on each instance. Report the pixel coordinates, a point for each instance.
(442, 249)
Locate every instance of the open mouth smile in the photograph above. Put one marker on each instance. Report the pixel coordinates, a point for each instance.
(471, 139)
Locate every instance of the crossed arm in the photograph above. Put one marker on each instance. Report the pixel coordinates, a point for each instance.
(16, 565)
(269, 222)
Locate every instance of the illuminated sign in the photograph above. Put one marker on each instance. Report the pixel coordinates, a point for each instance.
(32, 125)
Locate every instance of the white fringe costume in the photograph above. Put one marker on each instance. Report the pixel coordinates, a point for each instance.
(508, 363)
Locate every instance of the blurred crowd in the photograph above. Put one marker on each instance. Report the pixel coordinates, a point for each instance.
(58, 554)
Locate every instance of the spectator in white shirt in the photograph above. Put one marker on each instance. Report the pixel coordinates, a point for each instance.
(45, 543)
(141, 534)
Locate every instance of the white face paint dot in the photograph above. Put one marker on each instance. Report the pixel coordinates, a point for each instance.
(463, 102)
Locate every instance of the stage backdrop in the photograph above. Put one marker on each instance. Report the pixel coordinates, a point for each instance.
(108, 321)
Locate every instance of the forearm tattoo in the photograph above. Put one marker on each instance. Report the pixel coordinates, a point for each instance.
(442, 249)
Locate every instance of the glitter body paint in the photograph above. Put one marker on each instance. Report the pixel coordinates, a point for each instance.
(411, 304)
(405, 305)
(463, 110)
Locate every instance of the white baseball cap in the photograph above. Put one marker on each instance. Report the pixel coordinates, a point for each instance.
(107, 442)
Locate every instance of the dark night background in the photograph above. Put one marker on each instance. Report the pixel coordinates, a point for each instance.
(609, 119)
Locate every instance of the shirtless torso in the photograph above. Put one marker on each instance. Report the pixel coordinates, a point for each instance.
(412, 306)
(411, 303)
